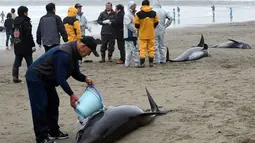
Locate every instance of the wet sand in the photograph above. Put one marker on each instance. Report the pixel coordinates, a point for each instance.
(211, 100)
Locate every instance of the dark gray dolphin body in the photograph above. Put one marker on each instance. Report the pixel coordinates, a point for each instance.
(115, 122)
(194, 53)
(232, 44)
(2, 28)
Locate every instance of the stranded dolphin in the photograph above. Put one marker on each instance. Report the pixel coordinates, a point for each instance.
(233, 44)
(193, 53)
(115, 122)
(2, 28)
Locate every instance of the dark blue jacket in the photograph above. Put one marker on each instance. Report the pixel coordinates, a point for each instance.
(56, 66)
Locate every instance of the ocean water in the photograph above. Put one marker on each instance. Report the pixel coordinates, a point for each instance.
(189, 16)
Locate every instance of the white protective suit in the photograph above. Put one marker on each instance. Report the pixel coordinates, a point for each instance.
(165, 20)
(130, 37)
(83, 21)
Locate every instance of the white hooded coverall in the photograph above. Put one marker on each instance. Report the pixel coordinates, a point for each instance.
(130, 37)
(165, 20)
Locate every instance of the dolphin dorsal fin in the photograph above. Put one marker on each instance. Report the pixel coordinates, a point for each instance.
(233, 41)
(202, 41)
(154, 106)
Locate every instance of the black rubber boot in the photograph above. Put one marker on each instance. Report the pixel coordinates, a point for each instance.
(109, 59)
(103, 59)
(151, 62)
(15, 75)
(142, 63)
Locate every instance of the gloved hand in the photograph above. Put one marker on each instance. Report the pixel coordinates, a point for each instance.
(106, 21)
(135, 33)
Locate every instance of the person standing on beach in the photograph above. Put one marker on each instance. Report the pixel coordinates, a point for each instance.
(50, 70)
(2, 15)
(108, 42)
(230, 13)
(13, 17)
(72, 25)
(23, 41)
(146, 21)
(178, 11)
(82, 19)
(118, 32)
(130, 36)
(8, 24)
(174, 14)
(49, 27)
(165, 21)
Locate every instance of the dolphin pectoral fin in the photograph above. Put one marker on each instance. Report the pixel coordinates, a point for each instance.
(234, 41)
(205, 47)
(154, 106)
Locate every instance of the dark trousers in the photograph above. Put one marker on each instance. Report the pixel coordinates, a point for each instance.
(17, 64)
(108, 43)
(44, 103)
(47, 48)
(8, 37)
(121, 47)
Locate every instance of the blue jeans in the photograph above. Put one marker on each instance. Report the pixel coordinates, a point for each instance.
(8, 37)
(44, 102)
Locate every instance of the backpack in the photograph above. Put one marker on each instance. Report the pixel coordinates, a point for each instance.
(18, 34)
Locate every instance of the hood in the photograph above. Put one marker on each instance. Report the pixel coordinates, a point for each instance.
(130, 3)
(72, 11)
(157, 3)
(21, 19)
(146, 8)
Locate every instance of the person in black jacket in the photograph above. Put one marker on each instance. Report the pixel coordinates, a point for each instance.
(23, 41)
(8, 29)
(105, 19)
(49, 28)
(118, 32)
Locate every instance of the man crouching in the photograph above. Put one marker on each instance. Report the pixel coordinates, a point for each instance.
(50, 70)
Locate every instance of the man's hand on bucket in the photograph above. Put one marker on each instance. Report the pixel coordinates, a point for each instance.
(73, 99)
(89, 82)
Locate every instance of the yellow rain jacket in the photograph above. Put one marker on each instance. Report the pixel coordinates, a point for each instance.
(146, 21)
(72, 25)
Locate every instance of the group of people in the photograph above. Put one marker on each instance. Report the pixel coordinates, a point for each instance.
(136, 33)
(53, 68)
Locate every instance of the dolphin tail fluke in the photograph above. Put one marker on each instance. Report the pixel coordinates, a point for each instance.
(202, 41)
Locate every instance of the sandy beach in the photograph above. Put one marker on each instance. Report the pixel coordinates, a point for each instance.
(212, 100)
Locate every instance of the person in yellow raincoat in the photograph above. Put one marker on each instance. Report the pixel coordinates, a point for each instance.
(146, 21)
(72, 25)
